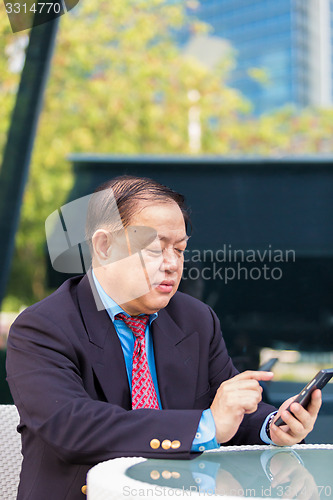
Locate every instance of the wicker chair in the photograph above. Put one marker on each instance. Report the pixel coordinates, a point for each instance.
(10, 452)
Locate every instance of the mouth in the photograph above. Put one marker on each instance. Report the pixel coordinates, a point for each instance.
(165, 286)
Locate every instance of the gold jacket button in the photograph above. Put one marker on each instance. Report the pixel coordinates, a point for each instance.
(166, 444)
(154, 443)
(175, 444)
(166, 474)
(84, 489)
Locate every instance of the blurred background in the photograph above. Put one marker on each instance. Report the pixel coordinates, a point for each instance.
(227, 101)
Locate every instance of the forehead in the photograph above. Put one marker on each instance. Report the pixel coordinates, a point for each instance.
(162, 216)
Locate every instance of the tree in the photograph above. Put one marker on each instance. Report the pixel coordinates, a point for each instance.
(118, 84)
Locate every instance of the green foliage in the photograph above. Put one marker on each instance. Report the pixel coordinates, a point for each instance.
(119, 84)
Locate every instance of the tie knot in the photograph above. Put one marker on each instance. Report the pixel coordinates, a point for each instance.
(137, 324)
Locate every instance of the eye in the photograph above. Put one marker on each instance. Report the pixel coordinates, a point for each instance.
(179, 251)
(156, 252)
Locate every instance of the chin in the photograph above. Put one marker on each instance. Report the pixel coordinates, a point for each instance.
(158, 303)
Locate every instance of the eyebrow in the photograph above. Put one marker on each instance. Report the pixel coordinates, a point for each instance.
(165, 238)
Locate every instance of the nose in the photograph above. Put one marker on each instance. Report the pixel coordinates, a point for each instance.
(170, 261)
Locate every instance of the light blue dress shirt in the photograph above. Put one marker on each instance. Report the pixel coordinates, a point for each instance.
(205, 436)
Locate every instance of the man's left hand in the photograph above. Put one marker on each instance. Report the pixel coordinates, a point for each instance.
(297, 427)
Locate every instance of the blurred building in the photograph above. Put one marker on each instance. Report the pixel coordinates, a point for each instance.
(283, 48)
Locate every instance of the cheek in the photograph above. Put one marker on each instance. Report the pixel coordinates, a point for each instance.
(128, 275)
(151, 265)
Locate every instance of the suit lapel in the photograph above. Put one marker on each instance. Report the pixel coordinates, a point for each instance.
(176, 354)
(176, 359)
(104, 345)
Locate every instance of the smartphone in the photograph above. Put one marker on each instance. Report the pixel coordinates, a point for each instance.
(318, 382)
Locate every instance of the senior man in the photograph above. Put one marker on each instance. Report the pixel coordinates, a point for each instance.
(119, 363)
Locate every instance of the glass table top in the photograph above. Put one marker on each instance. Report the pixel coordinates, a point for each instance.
(303, 472)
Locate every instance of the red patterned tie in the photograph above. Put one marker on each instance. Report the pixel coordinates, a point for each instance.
(143, 390)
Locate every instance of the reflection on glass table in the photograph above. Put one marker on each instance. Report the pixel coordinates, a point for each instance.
(303, 471)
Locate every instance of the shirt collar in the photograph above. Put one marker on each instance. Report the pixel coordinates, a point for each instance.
(110, 305)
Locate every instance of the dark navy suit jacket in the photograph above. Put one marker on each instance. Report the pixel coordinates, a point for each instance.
(67, 375)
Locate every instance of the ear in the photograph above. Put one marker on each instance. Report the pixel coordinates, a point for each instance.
(101, 242)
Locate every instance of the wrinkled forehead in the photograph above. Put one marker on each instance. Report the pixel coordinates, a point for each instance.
(174, 236)
(165, 217)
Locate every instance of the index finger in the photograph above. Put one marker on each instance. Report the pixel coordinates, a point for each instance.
(254, 375)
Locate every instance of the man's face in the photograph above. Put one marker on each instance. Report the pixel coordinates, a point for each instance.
(145, 281)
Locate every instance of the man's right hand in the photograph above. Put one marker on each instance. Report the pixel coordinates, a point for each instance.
(234, 398)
